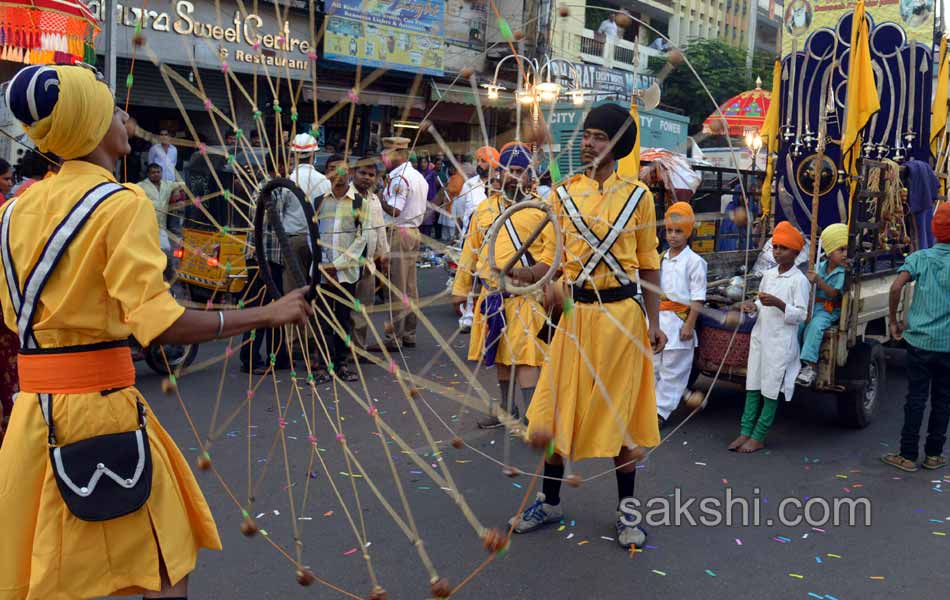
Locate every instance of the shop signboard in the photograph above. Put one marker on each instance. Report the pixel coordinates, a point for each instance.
(406, 35)
(210, 33)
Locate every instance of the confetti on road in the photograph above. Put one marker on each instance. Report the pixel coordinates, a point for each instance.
(582, 542)
(349, 552)
(701, 464)
(710, 573)
(569, 536)
(818, 560)
(796, 575)
(876, 578)
(329, 513)
(814, 595)
(940, 533)
(604, 537)
(517, 485)
(834, 555)
(738, 542)
(661, 573)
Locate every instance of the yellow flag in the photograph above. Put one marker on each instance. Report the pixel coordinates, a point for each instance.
(938, 121)
(629, 165)
(770, 133)
(862, 99)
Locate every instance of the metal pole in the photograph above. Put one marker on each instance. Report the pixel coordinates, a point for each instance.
(108, 14)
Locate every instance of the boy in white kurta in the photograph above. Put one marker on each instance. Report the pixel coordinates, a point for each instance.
(773, 364)
(683, 283)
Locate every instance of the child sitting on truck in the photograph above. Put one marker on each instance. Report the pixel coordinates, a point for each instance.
(773, 348)
(829, 280)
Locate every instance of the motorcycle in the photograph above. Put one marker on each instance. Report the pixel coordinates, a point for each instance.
(179, 356)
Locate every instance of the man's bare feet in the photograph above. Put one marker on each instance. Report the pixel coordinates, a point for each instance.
(752, 445)
(737, 442)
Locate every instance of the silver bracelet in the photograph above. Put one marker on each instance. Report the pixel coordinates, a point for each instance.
(220, 324)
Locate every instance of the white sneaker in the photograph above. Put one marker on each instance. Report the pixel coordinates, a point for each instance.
(806, 376)
(538, 514)
(628, 536)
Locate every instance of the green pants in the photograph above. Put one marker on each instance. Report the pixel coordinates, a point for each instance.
(757, 425)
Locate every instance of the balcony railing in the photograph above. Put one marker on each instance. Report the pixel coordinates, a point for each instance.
(612, 53)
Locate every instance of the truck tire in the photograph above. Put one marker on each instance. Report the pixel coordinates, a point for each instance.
(864, 378)
(179, 357)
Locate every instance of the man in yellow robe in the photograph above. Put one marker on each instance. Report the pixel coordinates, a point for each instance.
(505, 328)
(595, 397)
(82, 272)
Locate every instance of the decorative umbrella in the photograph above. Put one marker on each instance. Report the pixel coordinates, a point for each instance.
(47, 31)
(742, 114)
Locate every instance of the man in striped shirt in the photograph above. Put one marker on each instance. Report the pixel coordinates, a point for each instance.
(927, 334)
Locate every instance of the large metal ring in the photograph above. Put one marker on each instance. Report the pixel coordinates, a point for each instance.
(301, 275)
(504, 284)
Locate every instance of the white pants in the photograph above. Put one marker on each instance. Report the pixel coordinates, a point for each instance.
(468, 313)
(671, 370)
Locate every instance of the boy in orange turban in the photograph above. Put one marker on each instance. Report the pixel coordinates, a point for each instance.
(927, 334)
(683, 283)
(773, 364)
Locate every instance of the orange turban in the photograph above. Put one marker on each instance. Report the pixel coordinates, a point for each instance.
(488, 153)
(941, 223)
(786, 235)
(681, 213)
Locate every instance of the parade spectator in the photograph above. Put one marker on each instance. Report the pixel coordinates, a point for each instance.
(164, 154)
(165, 197)
(268, 341)
(927, 334)
(683, 283)
(608, 27)
(431, 175)
(829, 281)
(365, 177)
(314, 185)
(343, 246)
(6, 179)
(446, 215)
(35, 166)
(773, 364)
(404, 199)
(9, 343)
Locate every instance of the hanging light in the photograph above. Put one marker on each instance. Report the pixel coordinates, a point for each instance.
(493, 90)
(577, 97)
(548, 91)
(524, 96)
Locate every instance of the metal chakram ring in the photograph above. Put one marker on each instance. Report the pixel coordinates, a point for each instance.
(504, 285)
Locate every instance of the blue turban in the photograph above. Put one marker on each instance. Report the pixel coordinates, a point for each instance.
(515, 155)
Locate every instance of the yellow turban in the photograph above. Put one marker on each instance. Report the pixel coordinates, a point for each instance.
(834, 237)
(681, 213)
(64, 109)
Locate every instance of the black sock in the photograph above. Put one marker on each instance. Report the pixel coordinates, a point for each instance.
(503, 386)
(625, 484)
(527, 394)
(551, 488)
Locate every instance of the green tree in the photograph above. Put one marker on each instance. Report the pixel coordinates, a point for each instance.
(723, 70)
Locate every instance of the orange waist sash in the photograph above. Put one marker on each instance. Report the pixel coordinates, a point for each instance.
(673, 306)
(76, 372)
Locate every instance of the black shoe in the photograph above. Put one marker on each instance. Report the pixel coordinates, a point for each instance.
(661, 421)
(409, 343)
(489, 422)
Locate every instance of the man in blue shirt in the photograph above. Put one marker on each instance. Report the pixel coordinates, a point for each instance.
(927, 334)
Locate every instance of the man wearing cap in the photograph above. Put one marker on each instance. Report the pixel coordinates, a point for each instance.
(404, 199)
(92, 246)
(595, 396)
(314, 185)
(473, 192)
(505, 328)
